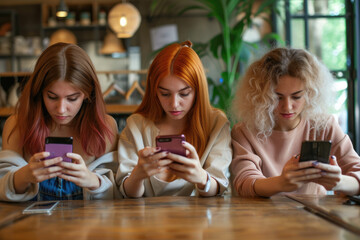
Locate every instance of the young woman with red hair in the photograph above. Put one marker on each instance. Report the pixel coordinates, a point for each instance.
(176, 102)
(62, 98)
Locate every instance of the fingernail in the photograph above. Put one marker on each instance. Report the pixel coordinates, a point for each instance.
(297, 156)
(158, 148)
(315, 164)
(183, 142)
(333, 157)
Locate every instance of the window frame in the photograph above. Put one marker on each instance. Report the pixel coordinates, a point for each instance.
(352, 22)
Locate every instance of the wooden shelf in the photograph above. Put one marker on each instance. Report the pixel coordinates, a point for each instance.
(22, 74)
(120, 108)
(6, 111)
(110, 109)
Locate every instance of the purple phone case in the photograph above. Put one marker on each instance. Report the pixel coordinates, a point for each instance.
(59, 147)
(171, 143)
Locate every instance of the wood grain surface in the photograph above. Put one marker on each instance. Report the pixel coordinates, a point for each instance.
(218, 218)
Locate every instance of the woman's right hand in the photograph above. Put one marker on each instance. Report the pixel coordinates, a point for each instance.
(150, 162)
(37, 170)
(295, 174)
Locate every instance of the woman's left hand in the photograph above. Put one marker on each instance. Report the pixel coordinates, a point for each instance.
(189, 167)
(78, 173)
(331, 174)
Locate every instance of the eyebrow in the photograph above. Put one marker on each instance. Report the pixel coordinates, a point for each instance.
(162, 88)
(294, 93)
(71, 95)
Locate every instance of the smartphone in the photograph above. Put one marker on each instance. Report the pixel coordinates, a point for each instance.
(315, 150)
(41, 207)
(59, 147)
(171, 143)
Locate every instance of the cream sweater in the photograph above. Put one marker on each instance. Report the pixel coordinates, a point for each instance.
(255, 159)
(103, 167)
(141, 132)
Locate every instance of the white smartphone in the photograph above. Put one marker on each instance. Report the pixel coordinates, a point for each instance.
(41, 207)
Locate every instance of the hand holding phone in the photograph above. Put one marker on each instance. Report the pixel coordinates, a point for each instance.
(315, 150)
(59, 147)
(171, 143)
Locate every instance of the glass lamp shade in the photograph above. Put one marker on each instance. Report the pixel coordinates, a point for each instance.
(124, 19)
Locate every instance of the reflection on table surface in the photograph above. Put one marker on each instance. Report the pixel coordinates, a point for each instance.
(333, 209)
(278, 217)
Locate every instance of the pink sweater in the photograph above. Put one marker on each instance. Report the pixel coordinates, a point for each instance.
(255, 159)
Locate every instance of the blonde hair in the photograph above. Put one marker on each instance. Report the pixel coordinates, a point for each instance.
(256, 100)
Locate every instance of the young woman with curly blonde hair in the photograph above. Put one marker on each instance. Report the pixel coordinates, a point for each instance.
(282, 101)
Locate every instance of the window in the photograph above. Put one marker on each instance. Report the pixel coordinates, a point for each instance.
(326, 28)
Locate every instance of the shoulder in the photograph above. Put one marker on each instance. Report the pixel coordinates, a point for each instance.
(10, 122)
(11, 135)
(137, 120)
(218, 117)
(240, 133)
(333, 127)
(137, 125)
(111, 123)
(239, 128)
(136, 117)
(9, 126)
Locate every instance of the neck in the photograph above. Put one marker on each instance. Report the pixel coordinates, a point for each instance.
(169, 126)
(284, 128)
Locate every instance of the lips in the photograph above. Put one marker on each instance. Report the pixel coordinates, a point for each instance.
(287, 115)
(61, 117)
(175, 113)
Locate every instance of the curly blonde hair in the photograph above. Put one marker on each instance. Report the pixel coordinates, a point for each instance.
(256, 100)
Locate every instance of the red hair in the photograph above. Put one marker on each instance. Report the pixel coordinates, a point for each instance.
(69, 63)
(181, 61)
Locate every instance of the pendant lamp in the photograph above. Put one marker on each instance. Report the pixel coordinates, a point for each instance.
(112, 44)
(124, 19)
(62, 10)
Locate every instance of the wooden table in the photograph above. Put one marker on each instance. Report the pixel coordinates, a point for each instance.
(332, 208)
(218, 218)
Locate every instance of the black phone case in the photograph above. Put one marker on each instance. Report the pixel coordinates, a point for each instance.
(315, 150)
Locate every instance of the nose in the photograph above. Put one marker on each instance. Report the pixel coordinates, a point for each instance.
(287, 104)
(174, 101)
(61, 106)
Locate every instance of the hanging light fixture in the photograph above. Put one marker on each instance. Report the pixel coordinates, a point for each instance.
(62, 10)
(124, 19)
(112, 44)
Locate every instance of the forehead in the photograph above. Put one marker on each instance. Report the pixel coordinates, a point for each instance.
(172, 83)
(61, 86)
(288, 85)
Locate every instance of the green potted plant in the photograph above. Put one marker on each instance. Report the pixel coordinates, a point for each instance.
(228, 46)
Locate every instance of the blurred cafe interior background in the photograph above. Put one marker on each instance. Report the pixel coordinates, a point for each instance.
(122, 37)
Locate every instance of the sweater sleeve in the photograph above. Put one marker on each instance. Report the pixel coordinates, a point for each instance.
(246, 165)
(130, 142)
(10, 162)
(219, 157)
(342, 148)
(104, 167)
